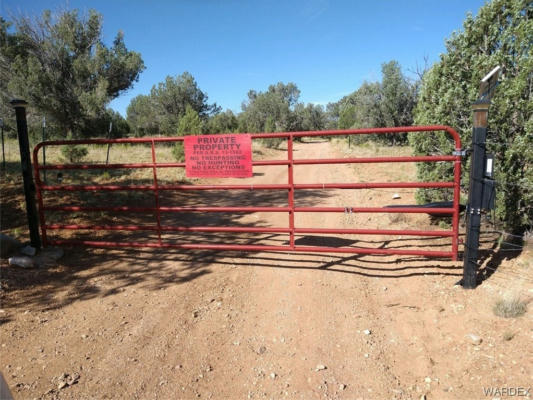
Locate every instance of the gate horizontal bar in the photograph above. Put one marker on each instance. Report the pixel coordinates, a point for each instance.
(110, 166)
(242, 247)
(335, 132)
(372, 185)
(141, 165)
(372, 160)
(259, 209)
(367, 160)
(80, 188)
(412, 210)
(368, 185)
(76, 188)
(170, 209)
(390, 232)
(168, 228)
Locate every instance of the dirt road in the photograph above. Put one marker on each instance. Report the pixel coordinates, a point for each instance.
(187, 325)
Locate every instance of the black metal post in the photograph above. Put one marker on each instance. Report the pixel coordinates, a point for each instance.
(44, 149)
(27, 174)
(475, 192)
(3, 152)
(477, 177)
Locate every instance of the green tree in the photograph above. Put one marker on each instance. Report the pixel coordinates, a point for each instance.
(100, 126)
(271, 111)
(161, 110)
(63, 69)
(190, 123)
(277, 102)
(347, 117)
(270, 125)
(10, 46)
(332, 115)
(141, 116)
(378, 104)
(369, 110)
(310, 117)
(242, 124)
(362, 109)
(225, 122)
(397, 96)
(397, 102)
(6, 50)
(499, 35)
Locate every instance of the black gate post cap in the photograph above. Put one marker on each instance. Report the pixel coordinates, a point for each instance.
(18, 103)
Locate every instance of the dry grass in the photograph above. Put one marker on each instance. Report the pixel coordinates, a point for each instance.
(402, 171)
(118, 154)
(510, 308)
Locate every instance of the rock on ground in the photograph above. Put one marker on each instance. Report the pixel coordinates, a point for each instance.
(8, 246)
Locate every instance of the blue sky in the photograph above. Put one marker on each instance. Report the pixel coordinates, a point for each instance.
(327, 47)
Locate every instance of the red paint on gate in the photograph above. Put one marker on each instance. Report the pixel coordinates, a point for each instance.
(218, 156)
(291, 187)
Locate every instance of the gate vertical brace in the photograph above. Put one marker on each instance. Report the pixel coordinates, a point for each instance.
(456, 199)
(291, 188)
(44, 149)
(109, 144)
(3, 152)
(477, 171)
(27, 175)
(156, 193)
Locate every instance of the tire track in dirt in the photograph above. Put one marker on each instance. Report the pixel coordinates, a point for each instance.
(267, 325)
(306, 316)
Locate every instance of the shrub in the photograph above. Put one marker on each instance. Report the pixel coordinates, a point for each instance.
(178, 152)
(509, 308)
(273, 143)
(74, 153)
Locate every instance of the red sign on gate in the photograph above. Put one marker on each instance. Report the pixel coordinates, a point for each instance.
(218, 156)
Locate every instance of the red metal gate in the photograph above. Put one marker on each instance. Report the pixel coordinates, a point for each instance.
(290, 187)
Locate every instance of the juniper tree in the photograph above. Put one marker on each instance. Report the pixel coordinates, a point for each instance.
(60, 65)
(499, 35)
(161, 110)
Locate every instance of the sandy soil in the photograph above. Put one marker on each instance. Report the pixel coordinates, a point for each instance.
(107, 324)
